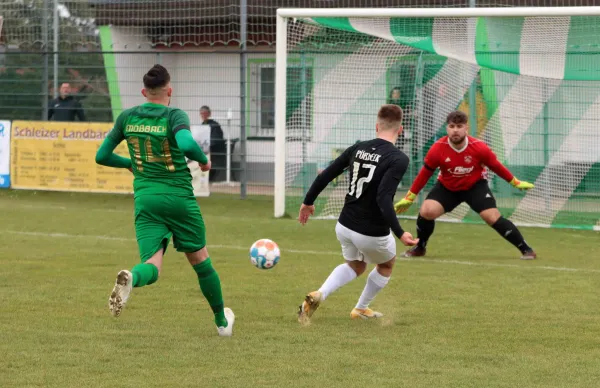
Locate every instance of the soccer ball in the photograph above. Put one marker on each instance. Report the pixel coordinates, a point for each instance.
(264, 254)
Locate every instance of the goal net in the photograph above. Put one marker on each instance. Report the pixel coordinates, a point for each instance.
(530, 85)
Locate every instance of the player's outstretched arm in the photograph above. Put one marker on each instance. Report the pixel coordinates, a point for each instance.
(521, 185)
(337, 167)
(180, 124)
(418, 184)
(106, 157)
(491, 160)
(385, 200)
(305, 212)
(189, 147)
(430, 163)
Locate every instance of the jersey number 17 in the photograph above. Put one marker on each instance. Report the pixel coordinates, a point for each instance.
(357, 184)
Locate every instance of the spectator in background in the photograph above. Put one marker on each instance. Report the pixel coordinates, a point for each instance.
(65, 107)
(395, 98)
(217, 144)
(395, 95)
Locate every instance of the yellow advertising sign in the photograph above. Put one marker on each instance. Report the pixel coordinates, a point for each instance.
(61, 156)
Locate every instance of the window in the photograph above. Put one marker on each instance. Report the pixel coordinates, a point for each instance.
(261, 110)
(267, 101)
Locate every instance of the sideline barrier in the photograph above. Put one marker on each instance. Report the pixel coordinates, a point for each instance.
(61, 156)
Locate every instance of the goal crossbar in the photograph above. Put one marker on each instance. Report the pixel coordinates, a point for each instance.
(437, 12)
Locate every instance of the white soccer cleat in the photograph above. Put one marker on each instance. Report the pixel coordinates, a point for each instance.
(227, 331)
(120, 293)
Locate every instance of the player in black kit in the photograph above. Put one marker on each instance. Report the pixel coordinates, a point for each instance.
(363, 229)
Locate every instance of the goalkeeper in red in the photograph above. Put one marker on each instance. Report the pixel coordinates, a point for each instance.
(159, 140)
(462, 161)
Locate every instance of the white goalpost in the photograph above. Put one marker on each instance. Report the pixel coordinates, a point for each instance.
(280, 113)
(528, 77)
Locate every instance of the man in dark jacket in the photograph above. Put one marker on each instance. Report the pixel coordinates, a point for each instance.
(65, 107)
(218, 147)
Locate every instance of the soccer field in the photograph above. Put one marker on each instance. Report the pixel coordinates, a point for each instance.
(471, 314)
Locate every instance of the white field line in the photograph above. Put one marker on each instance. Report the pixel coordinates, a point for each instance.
(595, 228)
(309, 252)
(13, 205)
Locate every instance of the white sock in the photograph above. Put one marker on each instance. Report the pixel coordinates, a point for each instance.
(341, 275)
(375, 283)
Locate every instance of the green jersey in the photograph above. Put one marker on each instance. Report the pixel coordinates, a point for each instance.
(159, 166)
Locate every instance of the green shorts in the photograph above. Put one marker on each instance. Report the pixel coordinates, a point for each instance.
(158, 217)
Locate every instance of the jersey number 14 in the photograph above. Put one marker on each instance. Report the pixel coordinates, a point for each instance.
(357, 184)
(148, 156)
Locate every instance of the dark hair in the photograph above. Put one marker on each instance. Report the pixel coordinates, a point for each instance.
(457, 117)
(205, 107)
(390, 113)
(156, 77)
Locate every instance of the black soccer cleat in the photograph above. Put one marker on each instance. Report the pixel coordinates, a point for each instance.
(415, 251)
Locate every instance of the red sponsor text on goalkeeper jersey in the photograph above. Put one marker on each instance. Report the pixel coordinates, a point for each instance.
(459, 169)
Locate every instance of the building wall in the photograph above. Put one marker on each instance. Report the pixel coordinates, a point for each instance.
(198, 79)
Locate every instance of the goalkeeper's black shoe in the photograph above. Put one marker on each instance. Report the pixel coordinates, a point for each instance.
(529, 255)
(415, 251)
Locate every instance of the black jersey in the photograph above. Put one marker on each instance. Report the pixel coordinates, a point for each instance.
(375, 168)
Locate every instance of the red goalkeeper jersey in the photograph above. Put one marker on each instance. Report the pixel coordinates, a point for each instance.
(459, 169)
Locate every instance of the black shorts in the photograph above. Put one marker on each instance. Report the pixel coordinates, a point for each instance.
(479, 197)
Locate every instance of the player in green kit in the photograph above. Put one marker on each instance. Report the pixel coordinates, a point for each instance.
(159, 140)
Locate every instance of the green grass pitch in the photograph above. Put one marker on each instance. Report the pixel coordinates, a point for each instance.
(471, 314)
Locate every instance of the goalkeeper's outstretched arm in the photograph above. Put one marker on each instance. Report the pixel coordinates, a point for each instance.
(430, 164)
(492, 162)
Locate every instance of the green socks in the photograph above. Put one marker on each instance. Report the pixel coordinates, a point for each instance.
(211, 288)
(144, 274)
